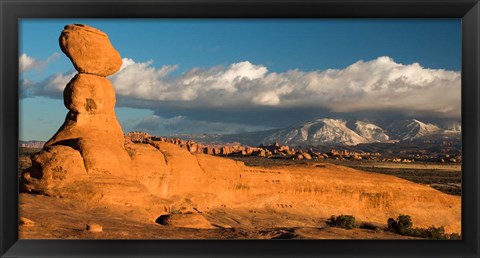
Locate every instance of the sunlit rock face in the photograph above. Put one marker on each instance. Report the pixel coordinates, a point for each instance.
(90, 50)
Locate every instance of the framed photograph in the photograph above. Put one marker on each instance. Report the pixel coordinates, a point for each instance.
(240, 128)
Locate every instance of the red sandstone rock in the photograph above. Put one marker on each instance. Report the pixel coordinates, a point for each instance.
(90, 50)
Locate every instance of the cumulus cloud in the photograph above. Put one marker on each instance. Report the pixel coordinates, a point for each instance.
(379, 84)
(26, 62)
(51, 87)
(197, 87)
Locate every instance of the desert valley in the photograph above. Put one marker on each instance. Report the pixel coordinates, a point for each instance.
(329, 178)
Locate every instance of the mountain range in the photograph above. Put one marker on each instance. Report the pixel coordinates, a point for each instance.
(339, 132)
(327, 132)
(336, 132)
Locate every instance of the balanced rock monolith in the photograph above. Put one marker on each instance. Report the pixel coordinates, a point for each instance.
(91, 140)
(91, 126)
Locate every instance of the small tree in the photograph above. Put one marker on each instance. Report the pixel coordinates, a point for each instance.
(403, 225)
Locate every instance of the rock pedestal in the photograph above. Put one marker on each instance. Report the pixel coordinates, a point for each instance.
(91, 126)
(90, 140)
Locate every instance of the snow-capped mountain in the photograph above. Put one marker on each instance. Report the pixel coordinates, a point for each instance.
(319, 132)
(371, 132)
(336, 132)
(411, 129)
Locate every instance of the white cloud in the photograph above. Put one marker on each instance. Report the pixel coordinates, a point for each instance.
(373, 85)
(58, 82)
(242, 70)
(379, 84)
(26, 62)
(52, 86)
(269, 98)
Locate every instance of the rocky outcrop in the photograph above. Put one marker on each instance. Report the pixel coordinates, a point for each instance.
(137, 137)
(52, 168)
(91, 126)
(22, 221)
(94, 227)
(186, 220)
(283, 151)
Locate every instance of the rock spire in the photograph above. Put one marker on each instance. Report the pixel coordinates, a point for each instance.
(91, 138)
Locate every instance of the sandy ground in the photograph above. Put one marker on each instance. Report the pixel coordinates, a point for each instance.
(57, 218)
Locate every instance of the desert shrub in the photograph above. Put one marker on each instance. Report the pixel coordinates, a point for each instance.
(403, 225)
(431, 233)
(342, 221)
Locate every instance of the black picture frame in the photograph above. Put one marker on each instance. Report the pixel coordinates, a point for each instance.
(11, 11)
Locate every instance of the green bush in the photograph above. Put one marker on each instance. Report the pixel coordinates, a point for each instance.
(403, 225)
(431, 233)
(342, 221)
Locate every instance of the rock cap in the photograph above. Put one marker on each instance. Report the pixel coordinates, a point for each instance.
(90, 50)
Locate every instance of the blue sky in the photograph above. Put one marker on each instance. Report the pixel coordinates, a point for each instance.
(228, 76)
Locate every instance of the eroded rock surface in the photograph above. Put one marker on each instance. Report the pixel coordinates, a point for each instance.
(89, 94)
(186, 220)
(52, 169)
(90, 50)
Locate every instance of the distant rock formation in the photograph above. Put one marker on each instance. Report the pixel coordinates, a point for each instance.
(275, 150)
(91, 162)
(31, 144)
